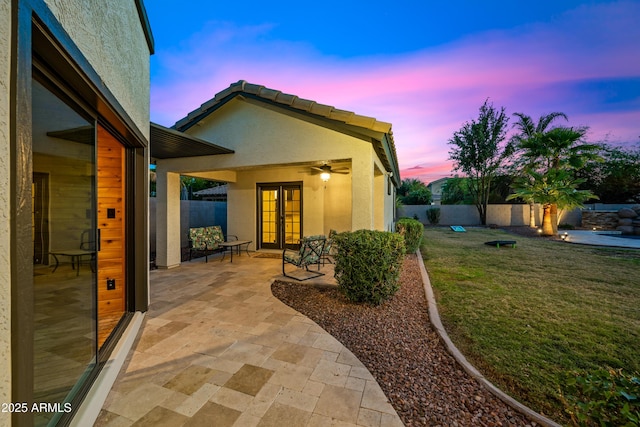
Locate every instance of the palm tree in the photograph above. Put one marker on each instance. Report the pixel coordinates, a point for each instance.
(529, 136)
(553, 189)
(560, 148)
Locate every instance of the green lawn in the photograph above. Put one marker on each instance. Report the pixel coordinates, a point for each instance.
(525, 316)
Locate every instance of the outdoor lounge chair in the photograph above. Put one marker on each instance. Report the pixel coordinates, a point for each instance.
(310, 253)
(329, 248)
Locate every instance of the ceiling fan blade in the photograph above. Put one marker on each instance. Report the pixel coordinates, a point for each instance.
(317, 169)
(341, 172)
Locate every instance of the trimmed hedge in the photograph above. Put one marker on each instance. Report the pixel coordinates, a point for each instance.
(412, 231)
(368, 264)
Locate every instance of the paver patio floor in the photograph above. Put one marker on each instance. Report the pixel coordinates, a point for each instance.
(218, 349)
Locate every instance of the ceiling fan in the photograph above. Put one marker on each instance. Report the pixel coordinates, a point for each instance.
(326, 171)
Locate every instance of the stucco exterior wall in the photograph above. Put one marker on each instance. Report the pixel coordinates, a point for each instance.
(321, 211)
(261, 137)
(273, 147)
(110, 36)
(5, 208)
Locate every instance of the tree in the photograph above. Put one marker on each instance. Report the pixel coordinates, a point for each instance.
(479, 151)
(555, 187)
(190, 185)
(456, 192)
(617, 179)
(541, 151)
(414, 192)
(530, 134)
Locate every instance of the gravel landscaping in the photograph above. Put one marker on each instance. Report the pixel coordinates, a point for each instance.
(396, 342)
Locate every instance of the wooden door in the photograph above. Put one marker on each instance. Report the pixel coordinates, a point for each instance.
(111, 259)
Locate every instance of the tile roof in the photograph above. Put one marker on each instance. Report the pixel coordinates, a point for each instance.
(350, 118)
(288, 100)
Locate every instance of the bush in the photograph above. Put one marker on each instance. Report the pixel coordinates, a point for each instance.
(602, 397)
(433, 215)
(368, 264)
(412, 231)
(566, 227)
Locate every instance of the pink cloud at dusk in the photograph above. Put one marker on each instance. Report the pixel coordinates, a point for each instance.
(585, 62)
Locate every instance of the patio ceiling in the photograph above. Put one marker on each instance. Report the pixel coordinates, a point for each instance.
(170, 144)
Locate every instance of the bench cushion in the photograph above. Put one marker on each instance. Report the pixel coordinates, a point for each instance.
(206, 238)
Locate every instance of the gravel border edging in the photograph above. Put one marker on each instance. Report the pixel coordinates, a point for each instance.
(434, 316)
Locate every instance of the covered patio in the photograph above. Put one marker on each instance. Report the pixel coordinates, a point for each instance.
(293, 168)
(216, 348)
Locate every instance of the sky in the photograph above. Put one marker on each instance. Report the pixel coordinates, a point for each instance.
(425, 66)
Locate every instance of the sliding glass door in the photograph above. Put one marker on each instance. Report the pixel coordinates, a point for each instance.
(64, 235)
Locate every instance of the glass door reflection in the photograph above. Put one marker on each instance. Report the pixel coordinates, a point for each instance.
(64, 223)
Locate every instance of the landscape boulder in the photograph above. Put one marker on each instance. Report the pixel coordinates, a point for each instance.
(625, 229)
(627, 213)
(625, 221)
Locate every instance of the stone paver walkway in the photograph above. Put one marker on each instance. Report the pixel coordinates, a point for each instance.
(217, 349)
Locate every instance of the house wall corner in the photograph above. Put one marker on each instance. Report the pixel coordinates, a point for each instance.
(5, 208)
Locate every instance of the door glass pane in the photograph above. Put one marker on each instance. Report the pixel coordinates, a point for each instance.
(64, 232)
(269, 216)
(292, 216)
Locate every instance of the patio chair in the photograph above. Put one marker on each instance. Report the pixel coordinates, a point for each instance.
(329, 248)
(310, 253)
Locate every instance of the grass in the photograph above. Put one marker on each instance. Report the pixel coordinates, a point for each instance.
(527, 316)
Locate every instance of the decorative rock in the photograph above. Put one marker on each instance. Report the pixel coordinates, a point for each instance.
(625, 229)
(636, 208)
(627, 213)
(625, 221)
(602, 220)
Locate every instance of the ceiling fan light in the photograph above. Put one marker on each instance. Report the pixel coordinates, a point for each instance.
(324, 176)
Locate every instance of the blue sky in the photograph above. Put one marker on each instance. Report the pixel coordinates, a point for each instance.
(424, 66)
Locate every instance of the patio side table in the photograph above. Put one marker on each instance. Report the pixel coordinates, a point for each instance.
(234, 244)
(75, 255)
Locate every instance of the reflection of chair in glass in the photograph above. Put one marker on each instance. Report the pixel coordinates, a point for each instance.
(87, 243)
(87, 250)
(310, 253)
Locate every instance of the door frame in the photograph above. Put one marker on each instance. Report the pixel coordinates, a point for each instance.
(40, 218)
(281, 187)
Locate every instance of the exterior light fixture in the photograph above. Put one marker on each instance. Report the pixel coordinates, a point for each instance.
(326, 173)
(564, 236)
(539, 230)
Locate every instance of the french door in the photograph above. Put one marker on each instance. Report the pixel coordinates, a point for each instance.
(279, 215)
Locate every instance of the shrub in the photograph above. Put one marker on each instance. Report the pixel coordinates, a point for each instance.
(368, 264)
(566, 227)
(412, 231)
(602, 397)
(433, 215)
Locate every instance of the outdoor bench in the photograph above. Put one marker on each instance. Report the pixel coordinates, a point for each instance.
(207, 240)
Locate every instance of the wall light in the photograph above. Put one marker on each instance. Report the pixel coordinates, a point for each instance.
(326, 173)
